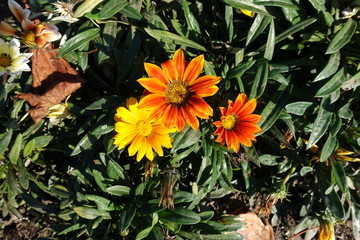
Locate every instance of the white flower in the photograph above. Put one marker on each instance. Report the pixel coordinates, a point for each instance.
(11, 60)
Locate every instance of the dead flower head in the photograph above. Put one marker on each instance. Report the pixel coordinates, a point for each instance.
(171, 176)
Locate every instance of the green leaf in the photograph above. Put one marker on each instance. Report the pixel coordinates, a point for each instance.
(144, 233)
(260, 81)
(85, 7)
(101, 202)
(29, 147)
(328, 148)
(15, 149)
(104, 102)
(23, 175)
(119, 190)
(322, 121)
(290, 31)
(304, 170)
(86, 142)
(180, 216)
(332, 85)
(342, 37)
(42, 141)
(340, 176)
(169, 37)
(298, 108)
(126, 217)
(5, 140)
(111, 8)
(270, 44)
(277, 3)
(260, 23)
(247, 5)
(330, 68)
(228, 236)
(78, 40)
(181, 196)
(191, 21)
(240, 69)
(115, 171)
(273, 108)
(318, 5)
(185, 139)
(131, 12)
(88, 212)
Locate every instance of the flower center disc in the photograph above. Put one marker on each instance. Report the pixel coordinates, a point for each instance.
(5, 60)
(177, 93)
(229, 121)
(143, 128)
(28, 38)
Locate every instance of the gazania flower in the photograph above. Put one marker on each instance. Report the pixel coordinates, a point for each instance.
(248, 13)
(11, 60)
(33, 35)
(326, 231)
(59, 112)
(176, 91)
(238, 124)
(139, 129)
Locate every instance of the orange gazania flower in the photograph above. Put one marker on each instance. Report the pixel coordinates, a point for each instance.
(33, 35)
(238, 124)
(176, 91)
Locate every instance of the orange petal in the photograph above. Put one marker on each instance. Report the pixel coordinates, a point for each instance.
(197, 112)
(190, 118)
(248, 127)
(206, 92)
(18, 11)
(169, 117)
(180, 63)
(41, 41)
(253, 118)
(240, 100)
(194, 69)
(248, 108)
(218, 124)
(52, 36)
(152, 101)
(6, 30)
(232, 141)
(26, 24)
(153, 85)
(205, 81)
(156, 72)
(169, 68)
(201, 105)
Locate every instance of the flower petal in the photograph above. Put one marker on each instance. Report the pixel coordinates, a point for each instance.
(169, 67)
(194, 68)
(26, 24)
(190, 118)
(18, 11)
(153, 85)
(6, 30)
(253, 118)
(248, 108)
(201, 105)
(240, 100)
(156, 72)
(152, 101)
(180, 63)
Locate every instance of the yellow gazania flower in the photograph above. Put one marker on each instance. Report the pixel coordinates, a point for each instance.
(33, 35)
(11, 60)
(247, 13)
(59, 112)
(326, 231)
(238, 124)
(176, 91)
(143, 132)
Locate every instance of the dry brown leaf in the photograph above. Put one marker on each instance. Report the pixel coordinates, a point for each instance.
(255, 228)
(53, 80)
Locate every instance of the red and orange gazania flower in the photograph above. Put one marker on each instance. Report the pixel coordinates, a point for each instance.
(176, 91)
(33, 35)
(238, 124)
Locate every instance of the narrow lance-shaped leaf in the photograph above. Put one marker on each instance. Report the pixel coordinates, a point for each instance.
(78, 40)
(260, 81)
(169, 37)
(322, 121)
(247, 5)
(332, 85)
(86, 7)
(258, 26)
(277, 3)
(342, 37)
(15, 149)
(330, 68)
(111, 8)
(270, 44)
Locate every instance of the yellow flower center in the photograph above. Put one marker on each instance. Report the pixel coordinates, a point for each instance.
(143, 128)
(229, 121)
(177, 93)
(5, 60)
(28, 38)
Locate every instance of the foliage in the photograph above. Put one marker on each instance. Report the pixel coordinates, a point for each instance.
(299, 60)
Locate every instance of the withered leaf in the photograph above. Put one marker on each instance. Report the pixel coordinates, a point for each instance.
(53, 80)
